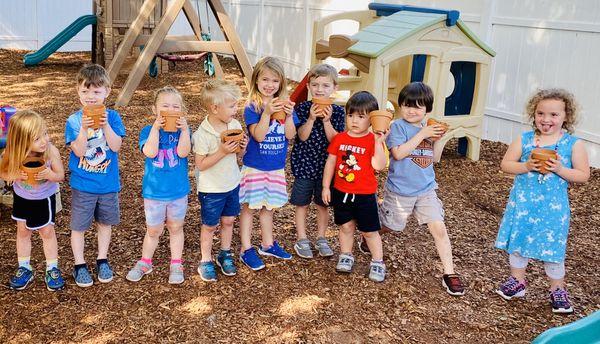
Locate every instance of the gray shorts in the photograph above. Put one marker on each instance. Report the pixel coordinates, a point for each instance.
(395, 209)
(86, 207)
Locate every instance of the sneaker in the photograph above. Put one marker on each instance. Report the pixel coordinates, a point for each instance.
(511, 288)
(176, 274)
(560, 301)
(251, 259)
(275, 251)
(105, 273)
(302, 248)
(453, 284)
(362, 246)
(345, 263)
(207, 271)
(54, 280)
(323, 246)
(377, 272)
(138, 271)
(226, 263)
(82, 277)
(23, 276)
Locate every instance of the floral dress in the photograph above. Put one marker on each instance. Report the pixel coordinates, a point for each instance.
(536, 219)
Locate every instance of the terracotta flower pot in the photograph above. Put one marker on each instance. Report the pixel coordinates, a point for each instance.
(322, 104)
(233, 135)
(543, 155)
(171, 118)
(280, 115)
(432, 121)
(95, 112)
(33, 166)
(380, 120)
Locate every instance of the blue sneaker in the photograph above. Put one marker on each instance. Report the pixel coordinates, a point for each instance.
(105, 273)
(82, 277)
(54, 280)
(275, 251)
(252, 260)
(226, 263)
(207, 271)
(23, 276)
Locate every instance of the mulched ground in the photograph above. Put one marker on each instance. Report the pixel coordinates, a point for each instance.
(302, 301)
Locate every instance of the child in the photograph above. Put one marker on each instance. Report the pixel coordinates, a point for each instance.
(94, 167)
(308, 157)
(219, 175)
(165, 185)
(410, 186)
(34, 206)
(536, 220)
(263, 184)
(354, 156)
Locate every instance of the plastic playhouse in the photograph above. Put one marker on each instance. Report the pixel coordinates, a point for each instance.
(398, 44)
(582, 331)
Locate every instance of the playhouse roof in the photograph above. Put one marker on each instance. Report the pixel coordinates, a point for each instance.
(376, 38)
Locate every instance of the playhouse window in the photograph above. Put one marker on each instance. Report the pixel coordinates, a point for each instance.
(461, 89)
(418, 67)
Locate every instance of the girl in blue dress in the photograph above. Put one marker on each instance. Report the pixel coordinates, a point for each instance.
(536, 220)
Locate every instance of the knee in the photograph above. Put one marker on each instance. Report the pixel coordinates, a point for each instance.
(370, 235)
(209, 230)
(23, 232)
(438, 230)
(47, 232)
(227, 221)
(154, 232)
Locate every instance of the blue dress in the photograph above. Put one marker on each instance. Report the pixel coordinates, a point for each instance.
(536, 219)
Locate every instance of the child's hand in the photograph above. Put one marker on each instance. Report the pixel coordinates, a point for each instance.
(244, 143)
(326, 196)
(86, 122)
(554, 165)
(159, 122)
(380, 137)
(272, 107)
(104, 121)
(429, 131)
(22, 176)
(326, 114)
(182, 124)
(228, 147)
(314, 113)
(533, 165)
(46, 174)
(288, 108)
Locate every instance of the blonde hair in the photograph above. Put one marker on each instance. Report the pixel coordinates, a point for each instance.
(571, 106)
(275, 66)
(216, 92)
(93, 75)
(323, 69)
(172, 90)
(25, 127)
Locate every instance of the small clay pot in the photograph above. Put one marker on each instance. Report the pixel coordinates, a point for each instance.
(33, 166)
(95, 112)
(322, 104)
(380, 120)
(280, 115)
(543, 155)
(432, 121)
(171, 118)
(233, 135)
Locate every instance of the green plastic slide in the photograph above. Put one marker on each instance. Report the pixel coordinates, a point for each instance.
(63, 37)
(582, 331)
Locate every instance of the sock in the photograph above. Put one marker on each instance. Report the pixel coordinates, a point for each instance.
(100, 261)
(376, 261)
(51, 264)
(25, 262)
(226, 250)
(176, 261)
(80, 266)
(146, 260)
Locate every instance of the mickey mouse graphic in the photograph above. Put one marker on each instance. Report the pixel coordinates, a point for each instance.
(346, 169)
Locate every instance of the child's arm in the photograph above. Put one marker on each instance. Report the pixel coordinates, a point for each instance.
(378, 161)
(328, 171)
(112, 139)
(330, 131)
(259, 130)
(290, 126)
(243, 146)
(204, 162)
(56, 171)
(437, 151)
(580, 173)
(150, 148)
(511, 164)
(402, 151)
(185, 143)
(79, 145)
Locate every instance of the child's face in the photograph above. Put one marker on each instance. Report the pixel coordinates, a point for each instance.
(549, 116)
(412, 114)
(92, 95)
(40, 142)
(357, 123)
(225, 111)
(167, 102)
(268, 83)
(321, 87)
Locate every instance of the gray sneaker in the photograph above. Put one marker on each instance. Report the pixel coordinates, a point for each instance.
(377, 272)
(323, 246)
(176, 274)
(345, 263)
(138, 271)
(303, 249)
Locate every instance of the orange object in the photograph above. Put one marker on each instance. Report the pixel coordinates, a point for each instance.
(33, 166)
(543, 155)
(233, 135)
(95, 112)
(380, 120)
(322, 104)
(432, 121)
(280, 115)
(170, 120)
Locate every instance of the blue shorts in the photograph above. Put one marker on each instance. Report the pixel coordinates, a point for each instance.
(305, 191)
(86, 207)
(215, 205)
(158, 211)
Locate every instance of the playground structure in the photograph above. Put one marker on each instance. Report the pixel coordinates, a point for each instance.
(399, 44)
(582, 331)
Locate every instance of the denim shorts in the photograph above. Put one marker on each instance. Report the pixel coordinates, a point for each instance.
(215, 205)
(305, 191)
(158, 211)
(86, 207)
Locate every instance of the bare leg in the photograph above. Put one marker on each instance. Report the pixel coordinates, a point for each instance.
(374, 242)
(23, 240)
(206, 242)
(151, 240)
(266, 225)
(442, 244)
(300, 216)
(77, 245)
(322, 220)
(48, 236)
(176, 239)
(246, 227)
(346, 236)
(104, 232)
(226, 231)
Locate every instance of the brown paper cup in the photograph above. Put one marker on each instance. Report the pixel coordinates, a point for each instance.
(95, 112)
(543, 155)
(33, 166)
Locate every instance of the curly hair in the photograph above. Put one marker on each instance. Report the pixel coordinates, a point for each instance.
(571, 106)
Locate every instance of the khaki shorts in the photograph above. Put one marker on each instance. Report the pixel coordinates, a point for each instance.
(395, 209)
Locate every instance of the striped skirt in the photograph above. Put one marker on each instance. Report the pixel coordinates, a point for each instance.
(263, 188)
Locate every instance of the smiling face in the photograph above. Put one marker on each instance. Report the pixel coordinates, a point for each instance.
(92, 95)
(357, 123)
(321, 87)
(40, 142)
(268, 83)
(413, 114)
(550, 116)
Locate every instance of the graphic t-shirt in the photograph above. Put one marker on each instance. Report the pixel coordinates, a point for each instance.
(98, 170)
(354, 171)
(165, 175)
(268, 155)
(413, 175)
